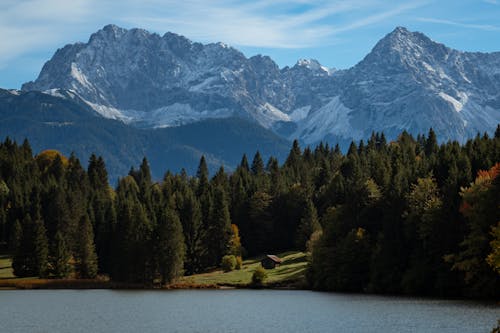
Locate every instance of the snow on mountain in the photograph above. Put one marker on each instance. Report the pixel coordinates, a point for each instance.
(407, 82)
(137, 76)
(331, 118)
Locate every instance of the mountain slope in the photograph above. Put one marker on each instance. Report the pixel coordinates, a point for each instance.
(68, 124)
(408, 82)
(160, 81)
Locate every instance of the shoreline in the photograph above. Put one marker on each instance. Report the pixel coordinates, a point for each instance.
(76, 284)
(85, 284)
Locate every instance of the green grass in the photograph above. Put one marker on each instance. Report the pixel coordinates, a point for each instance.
(291, 271)
(6, 271)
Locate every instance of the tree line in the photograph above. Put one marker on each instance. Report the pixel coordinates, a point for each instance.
(406, 216)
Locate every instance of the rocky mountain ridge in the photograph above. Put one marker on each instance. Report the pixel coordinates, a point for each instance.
(407, 82)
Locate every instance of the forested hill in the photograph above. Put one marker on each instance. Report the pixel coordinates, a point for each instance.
(408, 216)
(66, 123)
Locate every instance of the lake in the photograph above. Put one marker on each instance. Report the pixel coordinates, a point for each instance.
(235, 311)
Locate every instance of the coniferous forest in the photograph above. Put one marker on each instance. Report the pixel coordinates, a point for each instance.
(403, 217)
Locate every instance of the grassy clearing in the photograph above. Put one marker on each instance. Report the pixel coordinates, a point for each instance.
(290, 273)
(6, 271)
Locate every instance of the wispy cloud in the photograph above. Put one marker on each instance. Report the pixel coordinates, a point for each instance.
(279, 24)
(485, 27)
(29, 25)
(378, 17)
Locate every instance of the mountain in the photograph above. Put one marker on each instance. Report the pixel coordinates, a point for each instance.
(407, 82)
(160, 81)
(66, 123)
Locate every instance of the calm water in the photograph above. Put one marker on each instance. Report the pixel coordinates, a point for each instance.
(235, 311)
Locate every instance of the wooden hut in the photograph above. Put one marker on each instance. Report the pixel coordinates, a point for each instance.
(270, 261)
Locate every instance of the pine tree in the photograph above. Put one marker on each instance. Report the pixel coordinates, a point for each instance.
(132, 257)
(103, 209)
(97, 173)
(244, 163)
(307, 226)
(23, 262)
(293, 162)
(194, 233)
(203, 192)
(60, 257)
(16, 236)
(41, 249)
(144, 173)
(431, 145)
(170, 245)
(218, 234)
(86, 256)
(257, 165)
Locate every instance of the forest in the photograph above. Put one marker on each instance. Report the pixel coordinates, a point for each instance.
(409, 216)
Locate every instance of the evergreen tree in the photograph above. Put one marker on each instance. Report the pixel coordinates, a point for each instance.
(244, 163)
(16, 236)
(218, 234)
(102, 206)
(97, 173)
(60, 257)
(257, 165)
(132, 246)
(24, 261)
(87, 259)
(431, 145)
(307, 226)
(170, 246)
(41, 249)
(194, 233)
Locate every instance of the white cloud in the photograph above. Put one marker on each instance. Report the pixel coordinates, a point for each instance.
(278, 24)
(486, 27)
(30, 25)
(372, 19)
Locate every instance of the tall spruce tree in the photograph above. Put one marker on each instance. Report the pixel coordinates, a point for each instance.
(60, 257)
(308, 225)
(41, 249)
(192, 226)
(218, 234)
(170, 248)
(87, 265)
(257, 165)
(132, 246)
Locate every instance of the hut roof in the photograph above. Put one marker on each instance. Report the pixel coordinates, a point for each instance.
(274, 258)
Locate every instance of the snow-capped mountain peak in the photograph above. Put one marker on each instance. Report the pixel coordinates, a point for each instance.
(313, 65)
(407, 82)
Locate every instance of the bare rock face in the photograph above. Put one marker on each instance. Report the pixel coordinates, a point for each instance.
(407, 82)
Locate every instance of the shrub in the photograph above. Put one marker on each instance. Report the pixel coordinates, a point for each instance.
(258, 277)
(239, 262)
(228, 263)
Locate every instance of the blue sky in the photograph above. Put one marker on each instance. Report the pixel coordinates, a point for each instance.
(337, 33)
